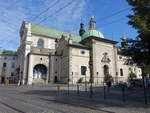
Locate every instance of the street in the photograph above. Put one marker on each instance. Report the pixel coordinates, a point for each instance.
(46, 99)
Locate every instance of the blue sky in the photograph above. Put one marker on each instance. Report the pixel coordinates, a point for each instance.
(63, 15)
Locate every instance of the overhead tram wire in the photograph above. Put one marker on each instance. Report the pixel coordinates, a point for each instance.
(112, 22)
(51, 6)
(60, 9)
(13, 26)
(9, 34)
(113, 14)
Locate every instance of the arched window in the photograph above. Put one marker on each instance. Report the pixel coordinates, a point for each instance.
(4, 64)
(121, 72)
(40, 43)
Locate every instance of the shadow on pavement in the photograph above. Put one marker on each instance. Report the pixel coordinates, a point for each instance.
(133, 98)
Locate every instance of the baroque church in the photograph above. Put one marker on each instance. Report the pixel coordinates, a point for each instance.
(47, 55)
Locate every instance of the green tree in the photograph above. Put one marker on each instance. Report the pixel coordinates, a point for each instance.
(139, 48)
(80, 80)
(132, 76)
(108, 78)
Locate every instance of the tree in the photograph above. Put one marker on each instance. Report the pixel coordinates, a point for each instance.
(108, 78)
(139, 48)
(132, 76)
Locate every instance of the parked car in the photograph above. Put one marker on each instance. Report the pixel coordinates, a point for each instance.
(129, 85)
(148, 82)
(139, 82)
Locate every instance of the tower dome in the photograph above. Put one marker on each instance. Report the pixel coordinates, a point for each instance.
(94, 33)
(92, 30)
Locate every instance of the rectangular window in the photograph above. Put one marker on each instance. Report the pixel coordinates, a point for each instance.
(13, 65)
(12, 74)
(13, 58)
(83, 70)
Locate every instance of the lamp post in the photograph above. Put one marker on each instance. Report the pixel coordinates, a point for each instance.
(145, 90)
(85, 83)
(144, 84)
(91, 78)
(68, 85)
(104, 85)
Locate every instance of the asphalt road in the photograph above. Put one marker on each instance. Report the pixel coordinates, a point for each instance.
(45, 99)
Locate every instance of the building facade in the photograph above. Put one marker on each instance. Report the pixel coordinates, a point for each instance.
(7, 66)
(47, 55)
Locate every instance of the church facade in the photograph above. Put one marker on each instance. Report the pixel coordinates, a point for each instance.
(47, 55)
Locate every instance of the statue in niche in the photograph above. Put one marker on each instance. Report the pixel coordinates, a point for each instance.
(105, 58)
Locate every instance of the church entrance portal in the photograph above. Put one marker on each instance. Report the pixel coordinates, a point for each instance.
(40, 72)
(55, 79)
(106, 70)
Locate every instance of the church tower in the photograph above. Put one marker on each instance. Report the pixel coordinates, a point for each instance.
(81, 31)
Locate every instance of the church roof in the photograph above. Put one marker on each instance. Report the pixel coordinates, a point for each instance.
(76, 44)
(99, 39)
(8, 52)
(92, 32)
(52, 33)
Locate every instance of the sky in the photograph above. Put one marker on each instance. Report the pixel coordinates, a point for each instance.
(110, 16)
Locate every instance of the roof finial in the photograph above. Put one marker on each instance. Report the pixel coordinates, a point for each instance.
(92, 23)
(92, 17)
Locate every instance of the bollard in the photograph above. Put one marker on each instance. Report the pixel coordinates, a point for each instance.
(104, 92)
(7, 83)
(68, 86)
(91, 91)
(77, 89)
(123, 92)
(85, 86)
(58, 89)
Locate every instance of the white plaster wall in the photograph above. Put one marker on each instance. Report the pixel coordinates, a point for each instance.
(126, 70)
(77, 59)
(57, 67)
(49, 43)
(121, 65)
(52, 66)
(63, 51)
(99, 48)
(9, 61)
